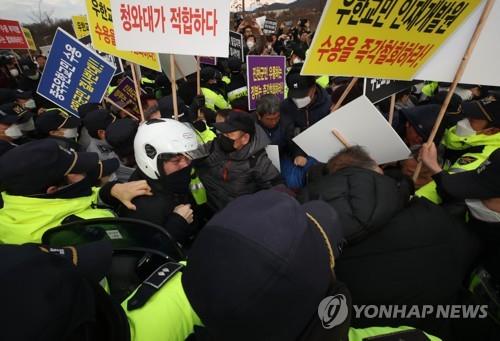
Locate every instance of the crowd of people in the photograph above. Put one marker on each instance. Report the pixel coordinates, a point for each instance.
(262, 247)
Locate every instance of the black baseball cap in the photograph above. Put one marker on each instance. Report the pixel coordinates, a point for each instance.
(84, 109)
(166, 108)
(120, 135)
(208, 73)
(237, 120)
(299, 51)
(13, 108)
(53, 119)
(8, 117)
(481, 183)
(422, 118)
(485, 109)
(299, 86)
(21, 94)
(59, 285)
(96, 120)
(33, 167)
(261, 266)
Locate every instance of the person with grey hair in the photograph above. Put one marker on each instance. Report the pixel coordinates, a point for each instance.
(280, 130)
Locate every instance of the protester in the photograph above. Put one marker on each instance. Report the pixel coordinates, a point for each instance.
(237, 163)
(393, 240)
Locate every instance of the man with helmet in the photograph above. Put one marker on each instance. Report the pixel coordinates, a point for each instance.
(162, 150)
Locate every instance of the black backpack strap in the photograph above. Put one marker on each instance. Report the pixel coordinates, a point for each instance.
(152, 284)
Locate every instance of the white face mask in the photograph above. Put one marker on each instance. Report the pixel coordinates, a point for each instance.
(14, 72)
(13, 132)
(297, 61)
(27, 126)
(71, 133)
(464, 129)
(30, 104)
(481, 212)
(302, 102)
(465, 94)
(250, 44)
(35, 77)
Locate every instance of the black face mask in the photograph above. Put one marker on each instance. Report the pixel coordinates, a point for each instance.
(226, 144)
(177, 182)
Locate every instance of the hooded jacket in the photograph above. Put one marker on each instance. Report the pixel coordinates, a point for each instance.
(245, 171)
(399, 251)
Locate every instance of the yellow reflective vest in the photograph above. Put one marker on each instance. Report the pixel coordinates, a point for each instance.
(26, 219)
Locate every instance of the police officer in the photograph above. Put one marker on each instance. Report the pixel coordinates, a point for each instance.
(211, 89)
(60, 127)
(44, 184)
(469, 144)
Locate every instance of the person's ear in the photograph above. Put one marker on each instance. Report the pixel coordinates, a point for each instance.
(52, 189)
(245, 138)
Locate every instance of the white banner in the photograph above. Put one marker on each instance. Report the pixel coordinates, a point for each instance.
(194, 27)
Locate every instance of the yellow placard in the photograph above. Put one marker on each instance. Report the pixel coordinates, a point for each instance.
(388, 39)
(80, 26)
(29, 39)
(103, 36)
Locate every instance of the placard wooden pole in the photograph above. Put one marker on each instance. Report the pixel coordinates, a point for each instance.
(341, 138)
(137, 91)
(458, 77)
(346, 92)
(108, 100)
(174, 86)
(391, 109)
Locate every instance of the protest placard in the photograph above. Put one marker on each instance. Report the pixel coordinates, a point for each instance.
(377, 89)
(29, 39)
(484, 61)
(115, 61)
(270, 27)
(236, 46)
(360, 123)
(265, 76)
(12, 36)
(124, 94)
(80, 26)
(273, 153)
(103, 36)
(208, 60)
(184, 65)
(392, 41)
(194, 27)
(73, 74)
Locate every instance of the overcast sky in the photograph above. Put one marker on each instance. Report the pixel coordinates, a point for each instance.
(24, 10)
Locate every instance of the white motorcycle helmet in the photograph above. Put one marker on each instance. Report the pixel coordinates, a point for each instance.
(157, 139)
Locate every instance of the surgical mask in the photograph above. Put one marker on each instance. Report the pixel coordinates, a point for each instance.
(465, 94)
(302, 102)
(30, 104)
(481, 212)
(464, 129)
(70, 133)
(250, 44)
(297, 61)
(27, 126)
(13, 132)
(14, 72)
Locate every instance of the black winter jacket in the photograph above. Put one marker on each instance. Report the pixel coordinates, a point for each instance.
(246, 171)
(159, 209)
(401, 252)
